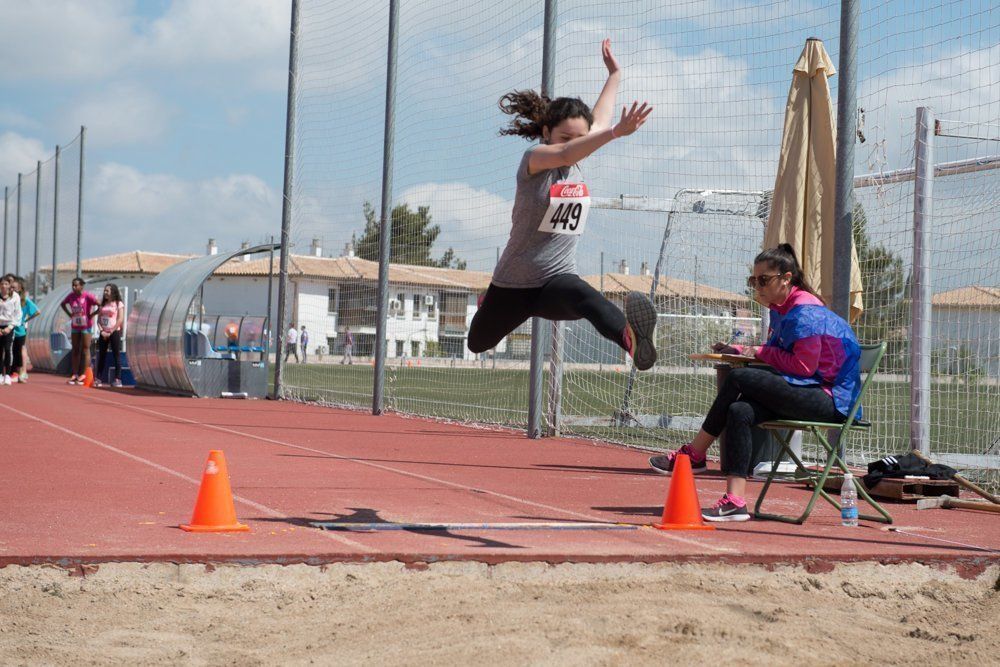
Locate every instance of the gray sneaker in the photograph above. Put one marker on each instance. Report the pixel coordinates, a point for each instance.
(641, 317)
(725, 510)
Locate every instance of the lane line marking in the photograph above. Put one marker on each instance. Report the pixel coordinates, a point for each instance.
(170, 471)
(426, 478)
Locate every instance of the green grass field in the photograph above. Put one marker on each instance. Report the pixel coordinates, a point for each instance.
(964, 418)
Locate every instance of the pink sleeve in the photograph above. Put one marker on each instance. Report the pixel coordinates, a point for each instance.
(802, 361)
(68, 299)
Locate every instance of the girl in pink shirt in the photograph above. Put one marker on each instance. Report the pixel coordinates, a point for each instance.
(81, 307)
(110, 324)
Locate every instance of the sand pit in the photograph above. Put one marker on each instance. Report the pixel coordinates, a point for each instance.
(453, 613)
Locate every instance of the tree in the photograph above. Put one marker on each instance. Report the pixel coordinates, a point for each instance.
(886, 296)
(413, 236)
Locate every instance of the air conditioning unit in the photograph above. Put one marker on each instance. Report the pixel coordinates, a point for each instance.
(428, 299)
(395, 306)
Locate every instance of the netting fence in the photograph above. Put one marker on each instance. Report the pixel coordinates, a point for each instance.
(42, 218)
(679, 213)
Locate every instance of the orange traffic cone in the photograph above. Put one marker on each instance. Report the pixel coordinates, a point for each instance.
(682, 511)
(88, 377)
(214, 511)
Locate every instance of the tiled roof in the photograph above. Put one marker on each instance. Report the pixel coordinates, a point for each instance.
(621, 283)
(974, 296)
(136, 261)
(333, 268)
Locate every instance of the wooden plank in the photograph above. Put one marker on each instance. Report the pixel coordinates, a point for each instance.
(904, 489)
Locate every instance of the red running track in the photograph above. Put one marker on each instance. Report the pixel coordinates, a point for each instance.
(104, 475)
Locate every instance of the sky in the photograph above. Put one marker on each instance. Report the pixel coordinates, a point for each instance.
(184, 103)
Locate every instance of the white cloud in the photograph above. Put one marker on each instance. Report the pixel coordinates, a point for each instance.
(19, 154)
(118, 115)
(474, 221)
(67, 40)
(90, 40)
(130, 210)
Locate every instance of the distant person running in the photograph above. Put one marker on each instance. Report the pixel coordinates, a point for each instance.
(537, 275)
(110, 324)
(81, 307)
(10, 317)
(29, 311)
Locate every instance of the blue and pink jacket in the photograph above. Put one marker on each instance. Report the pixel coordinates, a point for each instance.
(810, 346)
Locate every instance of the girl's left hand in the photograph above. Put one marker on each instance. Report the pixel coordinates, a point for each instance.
(609, 58)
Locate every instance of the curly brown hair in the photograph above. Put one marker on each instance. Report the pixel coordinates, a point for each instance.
(532, 112)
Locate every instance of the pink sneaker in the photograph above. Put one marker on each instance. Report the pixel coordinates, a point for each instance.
(664, 463)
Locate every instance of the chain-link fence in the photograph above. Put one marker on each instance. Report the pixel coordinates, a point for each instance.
(679, 207)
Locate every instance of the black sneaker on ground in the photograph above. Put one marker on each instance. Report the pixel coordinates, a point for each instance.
(641, 317)
(725, 510)
(664, 463)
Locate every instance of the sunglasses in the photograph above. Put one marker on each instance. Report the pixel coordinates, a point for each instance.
(760, 281)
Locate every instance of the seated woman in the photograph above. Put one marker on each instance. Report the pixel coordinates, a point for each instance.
(814, 375)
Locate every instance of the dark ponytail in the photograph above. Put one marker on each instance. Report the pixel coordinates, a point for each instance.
(532, 112)
(782, 259)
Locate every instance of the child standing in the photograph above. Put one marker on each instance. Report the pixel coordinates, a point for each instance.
(10, 317)
(81, 307)
(110, 322)
(29, 311)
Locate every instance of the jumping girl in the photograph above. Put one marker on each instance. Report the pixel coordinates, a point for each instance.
(81, 307)
(110, 322)
(815, 375)
(536, 275)
(10, 317)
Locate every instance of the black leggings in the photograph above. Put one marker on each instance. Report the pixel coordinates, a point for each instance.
(564, 297)
(115, 342)
(19, 342)
(750, 396)
(7, 353)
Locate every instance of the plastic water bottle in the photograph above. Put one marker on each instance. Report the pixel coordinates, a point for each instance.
(849, 502)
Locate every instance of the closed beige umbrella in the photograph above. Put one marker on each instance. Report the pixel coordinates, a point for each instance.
(802, 204)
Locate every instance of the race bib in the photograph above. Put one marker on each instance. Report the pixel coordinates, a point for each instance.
(569, 205)
(104, 321)
(80, 322)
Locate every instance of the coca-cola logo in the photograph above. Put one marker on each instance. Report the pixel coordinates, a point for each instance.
(574, 190)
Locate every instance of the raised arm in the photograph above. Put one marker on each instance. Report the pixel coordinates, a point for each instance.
(604, 108)
(553, 156)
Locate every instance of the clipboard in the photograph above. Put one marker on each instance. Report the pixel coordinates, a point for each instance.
(736, 359)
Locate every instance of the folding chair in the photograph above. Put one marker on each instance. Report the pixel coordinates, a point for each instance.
(871, 355)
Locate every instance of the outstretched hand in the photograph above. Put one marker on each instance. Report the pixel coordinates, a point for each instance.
(609, 58)
(632, 119)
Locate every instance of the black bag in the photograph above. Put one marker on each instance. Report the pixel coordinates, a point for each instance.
(897, 467)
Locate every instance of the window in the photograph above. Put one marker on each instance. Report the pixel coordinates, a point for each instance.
(414, 348)
(417, 298)
(331, 301)
(401, 310)
(399, 348)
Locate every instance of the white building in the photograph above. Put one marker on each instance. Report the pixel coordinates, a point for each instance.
(965, 329)
(430, 308)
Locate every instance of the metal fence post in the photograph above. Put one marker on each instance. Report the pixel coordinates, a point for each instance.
(17, 250)
(6, 196)
(385, 222)
(55, 224)
(286, 204)
(847, 129)
(556, 378)
(38, 223)
(79, 204)
(920, 324)
(538, 325)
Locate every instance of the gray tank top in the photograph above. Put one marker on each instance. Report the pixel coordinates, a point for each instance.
(531, 257)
